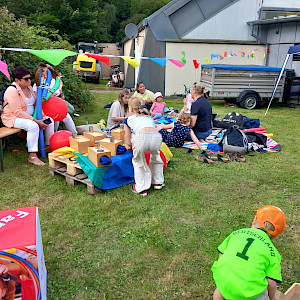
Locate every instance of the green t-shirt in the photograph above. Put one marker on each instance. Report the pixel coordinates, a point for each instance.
(248, 258)
(148, 95)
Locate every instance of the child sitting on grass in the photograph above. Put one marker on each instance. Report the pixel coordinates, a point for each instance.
(249, 264)
(158, 107)
(179, 131)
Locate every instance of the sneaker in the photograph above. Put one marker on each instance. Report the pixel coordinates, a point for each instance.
(143, 193)
(159, 186)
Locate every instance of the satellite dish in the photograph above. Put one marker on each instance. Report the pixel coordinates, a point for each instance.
(131, 31)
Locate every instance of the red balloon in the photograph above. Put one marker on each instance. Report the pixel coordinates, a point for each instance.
(56, 108)
(60, 139)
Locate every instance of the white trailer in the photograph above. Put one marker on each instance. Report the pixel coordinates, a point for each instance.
(248, 84)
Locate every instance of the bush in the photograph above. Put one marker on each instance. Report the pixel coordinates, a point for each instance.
(17, 34)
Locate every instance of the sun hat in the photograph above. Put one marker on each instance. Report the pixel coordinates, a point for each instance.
(157, 94)
(273, 215)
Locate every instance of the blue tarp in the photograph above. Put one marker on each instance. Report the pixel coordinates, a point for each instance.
(242, 67)
(294, 49)
(120, 171)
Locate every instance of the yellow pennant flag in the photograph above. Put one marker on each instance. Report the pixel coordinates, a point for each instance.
(207, 60)
(132, 61)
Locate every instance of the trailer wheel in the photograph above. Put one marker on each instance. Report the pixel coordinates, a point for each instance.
(250, 100)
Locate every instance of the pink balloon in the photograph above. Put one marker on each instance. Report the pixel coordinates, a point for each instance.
(60, 139)
(55, 108)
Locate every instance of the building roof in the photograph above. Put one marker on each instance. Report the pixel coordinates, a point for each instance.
(274, 21)
(178, 17)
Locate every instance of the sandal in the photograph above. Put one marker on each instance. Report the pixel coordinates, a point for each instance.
(205, 158)
(220, 158)
(240, 158)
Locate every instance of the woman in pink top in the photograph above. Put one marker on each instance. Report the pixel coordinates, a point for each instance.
(17, 112)
(158, 107)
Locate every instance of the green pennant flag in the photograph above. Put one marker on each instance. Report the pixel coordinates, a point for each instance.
(52, 56)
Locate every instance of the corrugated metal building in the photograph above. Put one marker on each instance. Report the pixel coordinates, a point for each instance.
(200, 28)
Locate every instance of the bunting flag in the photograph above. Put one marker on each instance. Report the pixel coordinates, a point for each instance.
(176, 62)
(243, 53)
(183, 60)
(52, 56)
(231, 54)
(207, 60)
(4, 70)
(212, 56)
(225, 54)
(196, 65)
(132, 61)
(102, 58)
(160, 61)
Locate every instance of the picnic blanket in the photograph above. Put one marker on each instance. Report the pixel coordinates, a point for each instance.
(213, 146)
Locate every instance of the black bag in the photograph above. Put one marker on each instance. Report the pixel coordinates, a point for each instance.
(257, 138)
(234, 118)
(2, 92)
(234, 141)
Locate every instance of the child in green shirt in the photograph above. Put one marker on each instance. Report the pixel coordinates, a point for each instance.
(249, 264)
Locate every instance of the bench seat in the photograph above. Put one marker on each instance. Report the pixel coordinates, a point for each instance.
(5, 132)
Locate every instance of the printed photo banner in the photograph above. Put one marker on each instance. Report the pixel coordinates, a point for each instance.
(21, 252)
(55, 56)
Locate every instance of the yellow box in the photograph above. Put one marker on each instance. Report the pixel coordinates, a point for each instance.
(80, 143)
(94, 156)
(119, 134)
(94, 136)
(111, 146)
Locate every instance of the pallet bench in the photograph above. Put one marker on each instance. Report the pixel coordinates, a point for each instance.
(65, 165)
(5, 132)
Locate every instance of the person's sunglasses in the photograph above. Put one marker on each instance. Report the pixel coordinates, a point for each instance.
(26, 78)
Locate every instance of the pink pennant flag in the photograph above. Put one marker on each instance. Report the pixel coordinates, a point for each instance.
(225, 54)
(196, 65)
(3, 69)
(176, 62)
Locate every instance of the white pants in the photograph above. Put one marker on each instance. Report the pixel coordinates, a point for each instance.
(68, 121)
(144, 175)
(32, 129)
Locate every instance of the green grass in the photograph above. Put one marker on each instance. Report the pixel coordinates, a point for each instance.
(117, 245)
(100, 86)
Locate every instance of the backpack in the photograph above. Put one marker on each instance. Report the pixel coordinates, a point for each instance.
(2, 92)
(234, 141)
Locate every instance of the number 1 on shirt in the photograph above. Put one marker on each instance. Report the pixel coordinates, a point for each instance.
(243, 254)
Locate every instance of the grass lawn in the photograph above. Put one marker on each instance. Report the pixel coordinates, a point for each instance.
(118, 245)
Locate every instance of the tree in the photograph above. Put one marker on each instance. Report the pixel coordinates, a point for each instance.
(16, 33)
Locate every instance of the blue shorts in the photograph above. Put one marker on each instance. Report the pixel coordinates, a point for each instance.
(200, 135)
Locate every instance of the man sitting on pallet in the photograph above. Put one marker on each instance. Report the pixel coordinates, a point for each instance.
(19, 101)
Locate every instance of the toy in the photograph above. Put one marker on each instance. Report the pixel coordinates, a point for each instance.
(79, 143)
(111, 144)
(95, 155)
(93, 136)
(55, 108)
(119, 134)
(60, 139)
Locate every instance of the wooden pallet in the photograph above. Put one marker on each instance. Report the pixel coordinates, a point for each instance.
(72, 180)
(65, 160)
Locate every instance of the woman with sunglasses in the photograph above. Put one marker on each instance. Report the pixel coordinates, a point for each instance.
(18, 108)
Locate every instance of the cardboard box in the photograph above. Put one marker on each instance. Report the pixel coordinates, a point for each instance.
(94, 156)
(80, 143)
(94, 136)
(119, 134)
(111, 146)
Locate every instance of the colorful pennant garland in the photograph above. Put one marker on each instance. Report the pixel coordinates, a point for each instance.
(55, 56)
